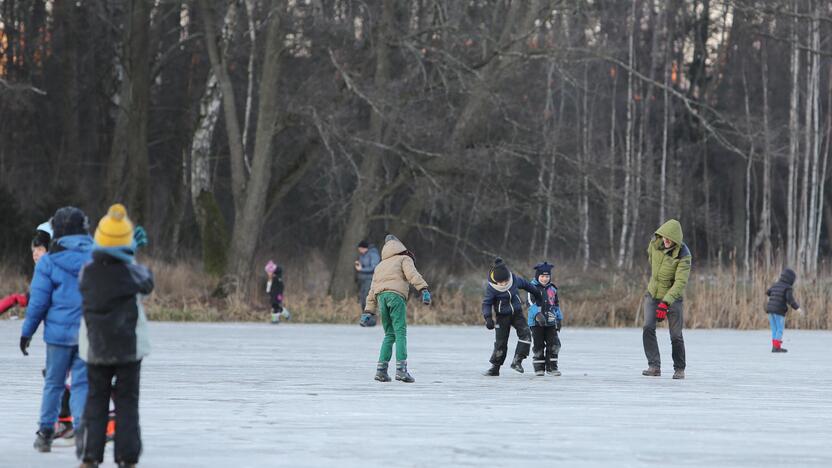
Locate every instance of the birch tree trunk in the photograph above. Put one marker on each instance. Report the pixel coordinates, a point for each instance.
(791, 207)
(628, 140)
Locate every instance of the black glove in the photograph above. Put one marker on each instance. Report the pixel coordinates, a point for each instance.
(489, 323)
(557, 327)
(24, 344)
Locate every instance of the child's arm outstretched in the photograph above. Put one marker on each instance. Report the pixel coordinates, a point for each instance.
(415, 278)
(487, 307)
(791, 300)
(523, 283)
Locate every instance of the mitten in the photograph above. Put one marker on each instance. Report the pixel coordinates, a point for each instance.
(426, 297)
(489, 323)
(24, 344)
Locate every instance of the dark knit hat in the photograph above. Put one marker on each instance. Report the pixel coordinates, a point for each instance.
(544, 268)
(363, 245)
(41, 239)
(69, 221)
(499, 272)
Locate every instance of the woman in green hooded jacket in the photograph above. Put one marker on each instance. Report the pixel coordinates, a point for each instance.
(670, 262)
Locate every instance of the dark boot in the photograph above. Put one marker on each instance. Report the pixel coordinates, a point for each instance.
(43, 441)
(652, 372)
(539, 372)
(678, 374)
(777, 347)
(381, 372)
(494, 371)
(126, 465)
(517, 364)
(89, 464)
(552, 368)
(402, 374)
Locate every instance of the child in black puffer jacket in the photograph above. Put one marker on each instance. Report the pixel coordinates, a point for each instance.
(780, 297)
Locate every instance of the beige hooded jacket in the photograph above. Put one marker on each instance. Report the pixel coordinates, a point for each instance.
(395, 273)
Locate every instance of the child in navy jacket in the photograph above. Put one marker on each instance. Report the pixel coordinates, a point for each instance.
(502, 297)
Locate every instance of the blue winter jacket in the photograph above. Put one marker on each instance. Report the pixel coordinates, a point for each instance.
(368, 261)
(506, 302)
(54, 297)
(550, 292)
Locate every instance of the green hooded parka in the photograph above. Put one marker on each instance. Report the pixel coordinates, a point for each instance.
(669, 268)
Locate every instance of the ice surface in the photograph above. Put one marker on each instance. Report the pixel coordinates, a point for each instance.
(250, 395)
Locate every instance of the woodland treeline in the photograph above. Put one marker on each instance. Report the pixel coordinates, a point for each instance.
(532, 129)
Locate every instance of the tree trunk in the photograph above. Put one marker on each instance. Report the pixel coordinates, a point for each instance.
(794, 134)
(248, 222)
(129, 169)
(212, 226)
(365, 199)
(628, 139)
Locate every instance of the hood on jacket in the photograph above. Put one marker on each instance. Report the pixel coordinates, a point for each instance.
(672, 230)
(72, 252)
(788, 275)
(392, 247)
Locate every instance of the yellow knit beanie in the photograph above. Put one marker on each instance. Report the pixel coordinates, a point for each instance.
(115, 229)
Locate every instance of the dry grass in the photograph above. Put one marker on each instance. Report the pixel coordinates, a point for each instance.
(716, 298)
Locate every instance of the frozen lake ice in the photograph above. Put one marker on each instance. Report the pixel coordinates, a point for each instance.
(251, 395)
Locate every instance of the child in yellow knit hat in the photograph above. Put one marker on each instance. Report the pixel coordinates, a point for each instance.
(113, 338)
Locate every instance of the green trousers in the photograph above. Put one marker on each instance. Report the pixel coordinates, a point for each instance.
(393, 310)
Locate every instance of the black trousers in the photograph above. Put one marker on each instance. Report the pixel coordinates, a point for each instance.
(546, 348)
(125, 394)
(675, 321)
(502, 329)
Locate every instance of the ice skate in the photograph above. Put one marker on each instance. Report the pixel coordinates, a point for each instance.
(552, 370)
(652, 372)
(381, 372)
(43, 441)
(517, 365)
(402, 374)
(493, 371)
(539, 373)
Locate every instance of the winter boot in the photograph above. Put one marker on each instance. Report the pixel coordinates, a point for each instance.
(43, 441)
(402, 373)
(652, 372)
(381, 372)
(89, 464)
(552, 368)
(275, 318)
(777, 347)
(517, 364)
(679, 374)
(494, 371)
(539, 372)
(63, 429)
(126, 465)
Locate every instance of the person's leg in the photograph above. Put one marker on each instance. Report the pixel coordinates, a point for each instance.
(398, 315)
(555, 348)
(651, 346)
(502, 327)
(389, 333)
(676, 322)
(779, 326)
(80, 385)
(524, 336)
(58, 362)
(539, 349)
(128, 441)
(363, 290)
(92, 435)
(551, 344)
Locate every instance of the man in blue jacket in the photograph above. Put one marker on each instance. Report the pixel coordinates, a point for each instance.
(365, 266)
(55, 300)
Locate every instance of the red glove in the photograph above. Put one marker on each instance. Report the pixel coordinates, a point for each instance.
(22, 300)
(661, 311)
